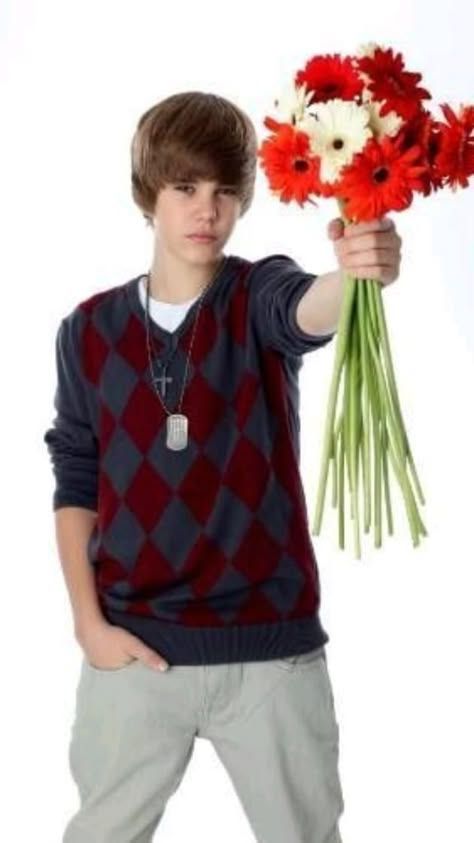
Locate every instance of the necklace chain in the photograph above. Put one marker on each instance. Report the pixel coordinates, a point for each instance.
(149, 338)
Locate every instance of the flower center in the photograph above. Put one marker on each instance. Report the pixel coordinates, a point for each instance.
(331, 90)
(380, 174)
(300, 164)
(338, 143)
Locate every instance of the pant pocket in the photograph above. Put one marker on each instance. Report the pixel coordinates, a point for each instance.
(301, 661)
(92, 667)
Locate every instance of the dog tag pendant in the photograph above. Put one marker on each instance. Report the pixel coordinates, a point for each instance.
(176, 431)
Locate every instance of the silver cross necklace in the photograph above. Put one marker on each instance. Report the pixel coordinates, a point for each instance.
(163, 379)
(177, 423)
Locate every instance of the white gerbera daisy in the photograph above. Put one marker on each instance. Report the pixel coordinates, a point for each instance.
(368, 49)
(389, 124)
(337, 129)
(292, 102)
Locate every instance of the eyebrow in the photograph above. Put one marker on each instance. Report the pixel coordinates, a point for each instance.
(195, 181)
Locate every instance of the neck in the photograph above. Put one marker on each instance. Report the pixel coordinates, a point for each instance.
(174, 280)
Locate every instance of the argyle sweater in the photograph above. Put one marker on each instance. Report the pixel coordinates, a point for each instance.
(204, 553)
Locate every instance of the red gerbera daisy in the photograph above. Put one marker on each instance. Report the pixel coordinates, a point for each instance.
(455, 159)
(330, 77)
(288, 164)
(424, 131)
(390, 82)
(381, 178)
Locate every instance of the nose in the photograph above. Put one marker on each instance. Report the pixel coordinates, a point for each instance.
(207, 211)
(207, 208)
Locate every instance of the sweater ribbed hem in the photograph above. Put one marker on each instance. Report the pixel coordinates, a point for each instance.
(180, 644)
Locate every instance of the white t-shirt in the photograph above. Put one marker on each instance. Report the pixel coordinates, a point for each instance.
(165, 313)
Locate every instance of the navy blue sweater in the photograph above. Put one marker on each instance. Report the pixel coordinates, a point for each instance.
(204, 553)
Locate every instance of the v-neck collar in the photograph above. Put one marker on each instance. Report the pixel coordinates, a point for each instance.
(172, 337)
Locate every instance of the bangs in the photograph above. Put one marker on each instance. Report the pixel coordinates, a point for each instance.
(191, 137)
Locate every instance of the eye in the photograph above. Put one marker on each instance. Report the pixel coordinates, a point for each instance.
(185, 187)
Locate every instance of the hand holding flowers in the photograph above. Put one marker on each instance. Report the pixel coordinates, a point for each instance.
(355, 128)
(367, 249)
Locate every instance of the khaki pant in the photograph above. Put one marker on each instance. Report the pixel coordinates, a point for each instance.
(272, 723)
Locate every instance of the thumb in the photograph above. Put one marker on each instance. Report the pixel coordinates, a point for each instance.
(335, 228)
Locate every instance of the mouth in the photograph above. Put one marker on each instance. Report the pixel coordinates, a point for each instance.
(202, 238)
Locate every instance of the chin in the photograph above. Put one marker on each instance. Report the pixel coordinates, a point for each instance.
(203, 247)
(204, 252)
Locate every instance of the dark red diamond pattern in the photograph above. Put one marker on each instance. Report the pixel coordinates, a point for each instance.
(246, 474)
(147, 496)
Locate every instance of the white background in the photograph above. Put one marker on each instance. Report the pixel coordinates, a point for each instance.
(75, 78)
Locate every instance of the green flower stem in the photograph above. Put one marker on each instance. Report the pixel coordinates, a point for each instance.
(395, 403)
(335, 437)
(394, 449)
(347, 417)
(377, 421)
(364, 460)
(386, 482)
(385, 398)
(341, 489)
(377, 298)
(354, 429)
(370, 417)
(361, 298)
(341, 345)
(333, 460)
(380, 440)
(377, 486)
(371, 307)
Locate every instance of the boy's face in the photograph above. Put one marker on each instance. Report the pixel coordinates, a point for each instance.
(185, 208)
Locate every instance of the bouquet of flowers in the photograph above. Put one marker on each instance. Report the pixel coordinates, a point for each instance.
(355, 129)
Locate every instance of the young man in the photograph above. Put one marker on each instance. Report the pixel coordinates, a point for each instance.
(180, 514)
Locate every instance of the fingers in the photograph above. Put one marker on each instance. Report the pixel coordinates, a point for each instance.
(370, 240)
(137, 648)
(337, 229)
(380, 251)
(367, 249)
(356, 229)
(372, 257)
(151, 658)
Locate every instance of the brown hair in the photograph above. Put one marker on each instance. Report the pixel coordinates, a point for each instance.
(193, 135)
